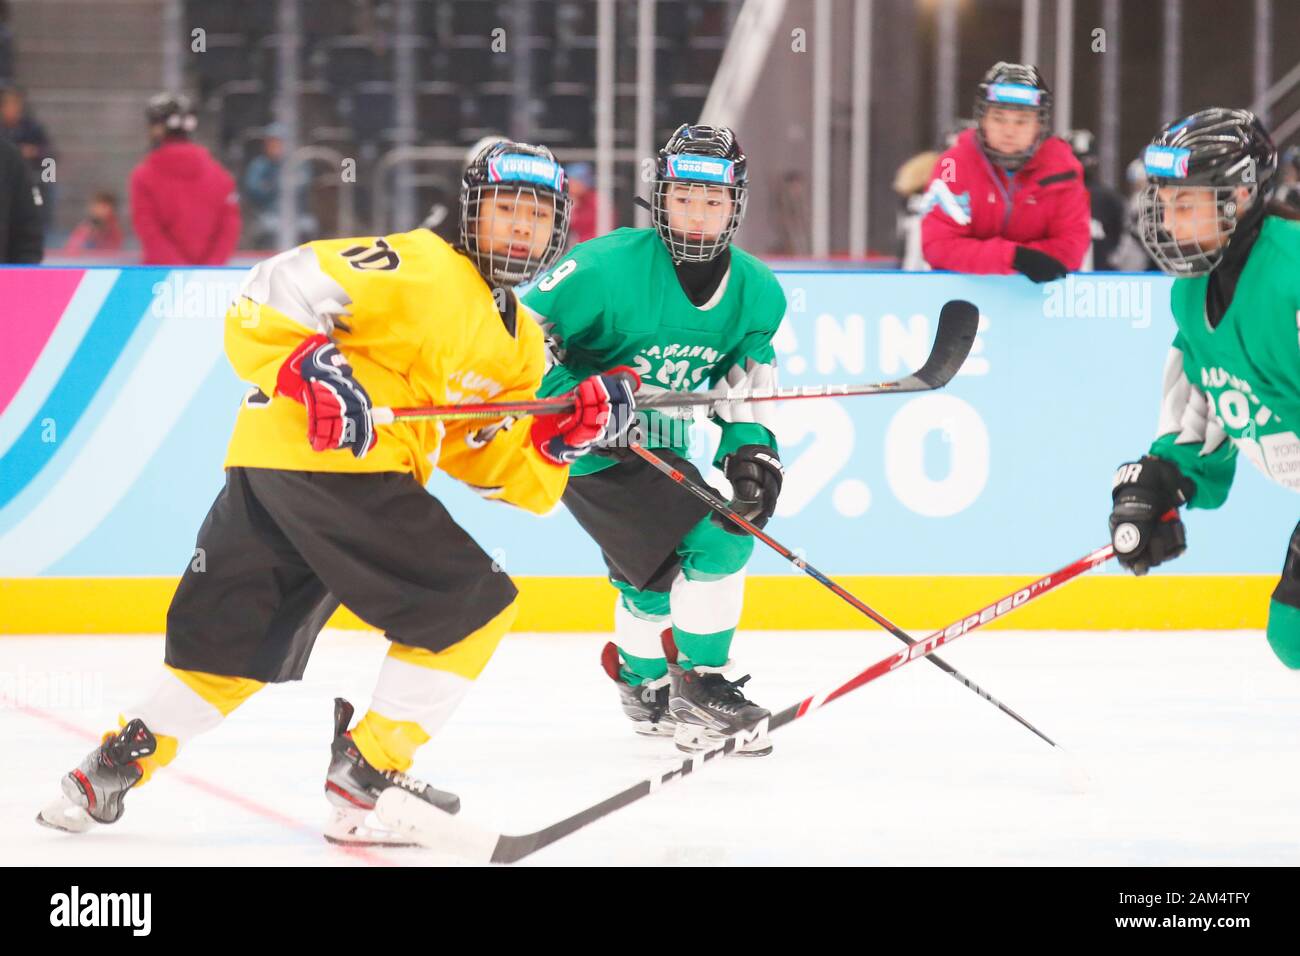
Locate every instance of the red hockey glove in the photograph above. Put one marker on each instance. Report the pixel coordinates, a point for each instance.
(602, 413)
(338, 408)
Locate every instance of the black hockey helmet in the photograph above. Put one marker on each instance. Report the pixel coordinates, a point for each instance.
(695, 161)
(1218, 151)
(502, 174)
(173, 111)
(1013, 86)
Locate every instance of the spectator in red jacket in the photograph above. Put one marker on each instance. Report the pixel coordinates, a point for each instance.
(184, 204)
(1007, 197)
(586, 202)
(100, 231)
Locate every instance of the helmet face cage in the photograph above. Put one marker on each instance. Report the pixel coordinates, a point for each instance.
(716, 232)
(1020, 157)
(1016, 87)
(519, 194)
(1206, 230)
(1206, 174)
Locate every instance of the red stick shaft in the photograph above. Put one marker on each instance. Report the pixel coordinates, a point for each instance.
(949, 634)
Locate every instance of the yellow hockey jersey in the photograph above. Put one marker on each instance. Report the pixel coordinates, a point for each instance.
(419, 326)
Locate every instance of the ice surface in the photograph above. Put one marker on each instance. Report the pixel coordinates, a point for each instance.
(1183, 750)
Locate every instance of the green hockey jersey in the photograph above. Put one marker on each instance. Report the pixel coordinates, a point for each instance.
(616, 301)
(1236, 388)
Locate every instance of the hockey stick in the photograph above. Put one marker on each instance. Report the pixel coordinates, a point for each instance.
(958, 323)
(720, 506)
(433, 828)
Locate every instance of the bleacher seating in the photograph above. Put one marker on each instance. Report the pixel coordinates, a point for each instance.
(324, 20)
(348, 60)
(470, 20)
(487, 113)
(572, 112)
(471, 65)
(317, 105)
(226, 57)
(242, 104)
(249, 17)
(455, 58)
(371, 109)
(437, 111)
(348, 53)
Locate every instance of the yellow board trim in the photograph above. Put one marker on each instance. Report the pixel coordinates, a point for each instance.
(1095, 602)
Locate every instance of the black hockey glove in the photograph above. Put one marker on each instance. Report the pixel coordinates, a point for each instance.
(1037, 266)
(1144, 492)
(755, 474)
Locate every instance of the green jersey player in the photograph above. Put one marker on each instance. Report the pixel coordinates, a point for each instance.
(1232, 381)
(684, 308)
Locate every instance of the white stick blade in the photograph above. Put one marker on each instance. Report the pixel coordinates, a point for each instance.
(433, 828)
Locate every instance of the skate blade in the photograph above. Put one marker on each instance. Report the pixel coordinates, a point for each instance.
(644, 728)
(348, 827)
(63, 814)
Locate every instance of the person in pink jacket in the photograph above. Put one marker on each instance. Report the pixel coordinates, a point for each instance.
(1007, 197)
(184, 205)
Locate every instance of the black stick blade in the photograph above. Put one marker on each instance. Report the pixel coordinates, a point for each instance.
(958, 322)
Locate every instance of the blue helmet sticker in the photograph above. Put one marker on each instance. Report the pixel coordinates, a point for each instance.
(1168, 161)
(703, 169)
(1014, 94)
(522, 168)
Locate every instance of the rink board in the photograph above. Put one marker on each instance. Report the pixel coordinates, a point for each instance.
(116, 402)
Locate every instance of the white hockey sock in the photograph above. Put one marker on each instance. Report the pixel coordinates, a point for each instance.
(708, 607)
(173, 708)
(638, 635)
(422, 695)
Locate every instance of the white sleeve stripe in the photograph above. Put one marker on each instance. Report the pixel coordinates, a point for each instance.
(294, 284)
(753, 375)
(1185, 410)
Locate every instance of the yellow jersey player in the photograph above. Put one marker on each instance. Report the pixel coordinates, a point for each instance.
(323, 507)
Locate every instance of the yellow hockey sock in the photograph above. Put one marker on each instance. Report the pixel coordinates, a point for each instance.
(388, 744)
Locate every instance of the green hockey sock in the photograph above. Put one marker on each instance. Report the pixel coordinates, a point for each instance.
(1284, 633)
(639, 618)
(705, 650)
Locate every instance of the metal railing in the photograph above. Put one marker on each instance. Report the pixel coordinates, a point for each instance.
(1288, 83)
(347, 203)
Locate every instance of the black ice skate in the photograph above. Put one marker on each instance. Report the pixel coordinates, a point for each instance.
(708, 708)
(646, 705)
(94, 792)
(353, 785)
